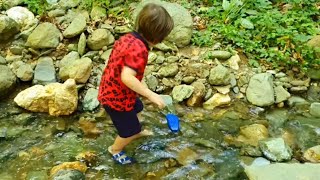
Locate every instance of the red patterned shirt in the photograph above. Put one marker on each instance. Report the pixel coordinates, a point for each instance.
(130, 50)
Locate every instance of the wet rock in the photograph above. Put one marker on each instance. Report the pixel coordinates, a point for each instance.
(260, 91)
(252, 134)
(219, 75)
(152, 82)
(281, 94)
(37, 175)
(169, 70)
(68, 175)
(8, 27)
(251, 151)
(181, 92)
(100, 38)
(45, 72)
(198, 94)
(46, 35)
(82, 44)
(183, 23)
(55, 98)
(276, 171)
(260, 161)
(297, 101)
(313, 154)
(7, 80)
(275, 149)
(22, 70)
(217, 100)
(79, 70)
(98, 12)
(277, 118)
(76, 27)
(313, 92)
(221, 55)
(187, 156)
(90, 101)
(315, 109)
(192, 171)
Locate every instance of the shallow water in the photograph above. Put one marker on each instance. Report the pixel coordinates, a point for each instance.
(33, 143)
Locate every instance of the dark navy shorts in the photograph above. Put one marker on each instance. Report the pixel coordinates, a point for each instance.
(126, 122)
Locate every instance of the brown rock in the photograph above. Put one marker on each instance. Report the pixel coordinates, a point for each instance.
(252, 134)
(198, 94)
(69, 165)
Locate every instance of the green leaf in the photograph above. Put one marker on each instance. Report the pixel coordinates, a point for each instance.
(225, 5)
(246, 23)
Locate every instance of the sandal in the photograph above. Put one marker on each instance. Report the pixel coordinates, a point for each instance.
(121, 157)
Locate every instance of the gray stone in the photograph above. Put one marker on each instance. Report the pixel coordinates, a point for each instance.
(221, 55)
(98, 12)
(281, 94)
(16, 50)
(56, 13)
(275, 149)
(169, 70)
(122, 29)
(72, 56)
(315, 109)
(76, 27)
(46, 35)
(260, 161)
(13, 58)
(152, 82)
(8, 28)
(260, 91)
(280, 75)
(182, 32)
(298, 89)
(82, 44)
(7, 80)
(45, 72)
(90, 101)
(79, 70)
(172, 59)
(283, 171)
(181, 92)
(160, 59)
(22, 16)
(68, 175)
(100, 38)
(219, 75)
(166, 47)
(152, 57)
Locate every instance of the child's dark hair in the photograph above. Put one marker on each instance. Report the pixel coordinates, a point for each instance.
(154, 23)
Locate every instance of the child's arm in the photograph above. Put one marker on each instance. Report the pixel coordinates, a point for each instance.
(129, 79)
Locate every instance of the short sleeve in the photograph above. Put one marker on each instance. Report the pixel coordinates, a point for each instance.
(136, 59)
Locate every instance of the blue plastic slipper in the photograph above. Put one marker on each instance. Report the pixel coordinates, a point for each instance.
(173, 122)
(122, 158)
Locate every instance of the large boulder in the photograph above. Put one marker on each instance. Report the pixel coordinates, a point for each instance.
(7, 80)
(22, 16)
(100, 38)
(8, 27)
(55, 98)
(79, 70)
(183, 23)
(260, 91)
(46, 35)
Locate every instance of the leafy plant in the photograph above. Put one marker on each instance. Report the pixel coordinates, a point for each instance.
(36, 6)
(267, 32)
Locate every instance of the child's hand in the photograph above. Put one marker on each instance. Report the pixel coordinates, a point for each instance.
(156, 99)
